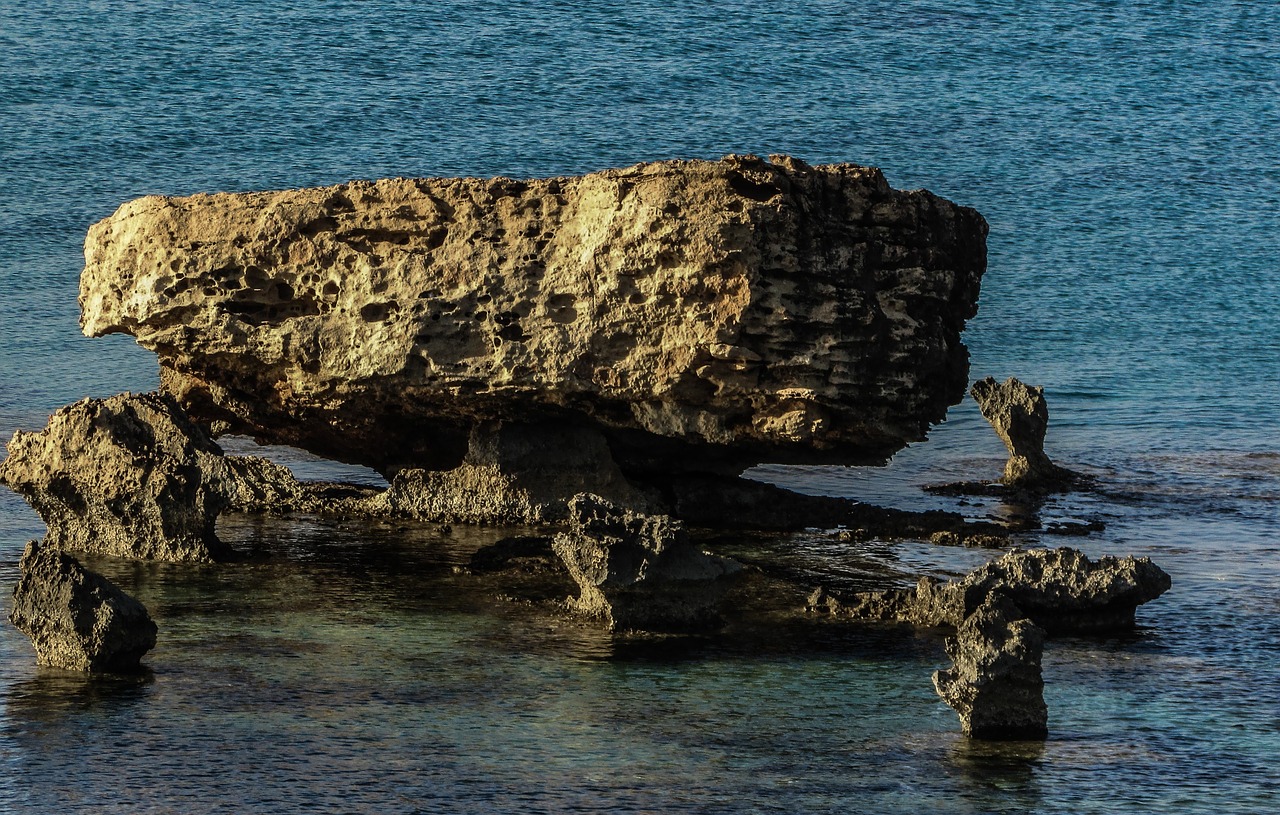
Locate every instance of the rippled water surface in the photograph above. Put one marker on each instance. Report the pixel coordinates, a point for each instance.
(1125, 155)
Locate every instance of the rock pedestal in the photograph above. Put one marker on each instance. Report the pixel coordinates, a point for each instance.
(640, 572)
(1020, 416)
(77, 619)
(700, 315)
(515, 474)
(996, 683)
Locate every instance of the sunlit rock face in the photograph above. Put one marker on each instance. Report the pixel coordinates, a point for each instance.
(700, 314)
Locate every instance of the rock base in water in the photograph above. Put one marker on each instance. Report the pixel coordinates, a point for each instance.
(514, 474)
(996, 683)
(77, 619)
(640, 572)
(1059, 589)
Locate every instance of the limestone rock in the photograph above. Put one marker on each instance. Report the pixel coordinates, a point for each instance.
(702, 315)
(639, 572)
(1061, 590)
(514, 474)
(124, 476)
(1020, 416)
(995, 683)
(77, 619)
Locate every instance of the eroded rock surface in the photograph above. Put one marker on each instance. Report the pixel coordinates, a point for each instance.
(1020, 416)
(702, 315)
(125, 476)
(1061, 590)
(995, 683)
(77, 619)
(640, 572)
(514, 474)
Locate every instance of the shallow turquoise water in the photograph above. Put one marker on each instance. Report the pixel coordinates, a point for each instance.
(1125, 155)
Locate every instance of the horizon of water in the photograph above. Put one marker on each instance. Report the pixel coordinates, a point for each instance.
(1124, 155)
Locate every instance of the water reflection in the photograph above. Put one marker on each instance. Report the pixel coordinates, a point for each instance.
(55, 695)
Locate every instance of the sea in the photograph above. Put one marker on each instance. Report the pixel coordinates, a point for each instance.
(1127, 156)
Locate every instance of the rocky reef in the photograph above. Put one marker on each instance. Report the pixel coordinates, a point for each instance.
(1061, 590)
(640, 572)
(77, 619)
(995, 682)
(699, 315)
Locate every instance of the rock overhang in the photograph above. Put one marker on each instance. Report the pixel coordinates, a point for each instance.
(700, 314)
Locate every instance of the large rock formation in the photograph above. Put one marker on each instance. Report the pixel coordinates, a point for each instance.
(995, 682)
(1061, 590)
(77, 619)
(1020, 416)
(702, 315)
(126, 476)
(639, 572)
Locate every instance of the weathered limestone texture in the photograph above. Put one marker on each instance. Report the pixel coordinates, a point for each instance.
(640, 572)
(1061, 590)
(995, 683)
(77, 619)
(125, 476)
(514, 474)
(703, 315)
(1020, 416)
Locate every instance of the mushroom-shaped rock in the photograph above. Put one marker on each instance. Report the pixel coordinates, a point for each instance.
(77, 619)
(1062, 590)
(995, 683)
(640, 572)
(124, 476)
(701, 315)
(1020, 416)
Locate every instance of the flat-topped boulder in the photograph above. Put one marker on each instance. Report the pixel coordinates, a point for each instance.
(702, 315)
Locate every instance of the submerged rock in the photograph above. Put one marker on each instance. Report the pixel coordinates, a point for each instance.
(1062, 590)
(640, 572)
(77, 619)
(700, 315)
(125, 476)
(1020, 416)
(996, 684)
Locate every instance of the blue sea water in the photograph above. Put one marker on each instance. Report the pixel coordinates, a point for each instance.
(1126, 155)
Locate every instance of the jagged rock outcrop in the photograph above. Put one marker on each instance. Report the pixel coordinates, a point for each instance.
(514, 474)
(640, 572)
(702, 315)
(995, 682)
(125, 476)
(77, 619)
(1061, 590)
(132, 476)
(1020, 416)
